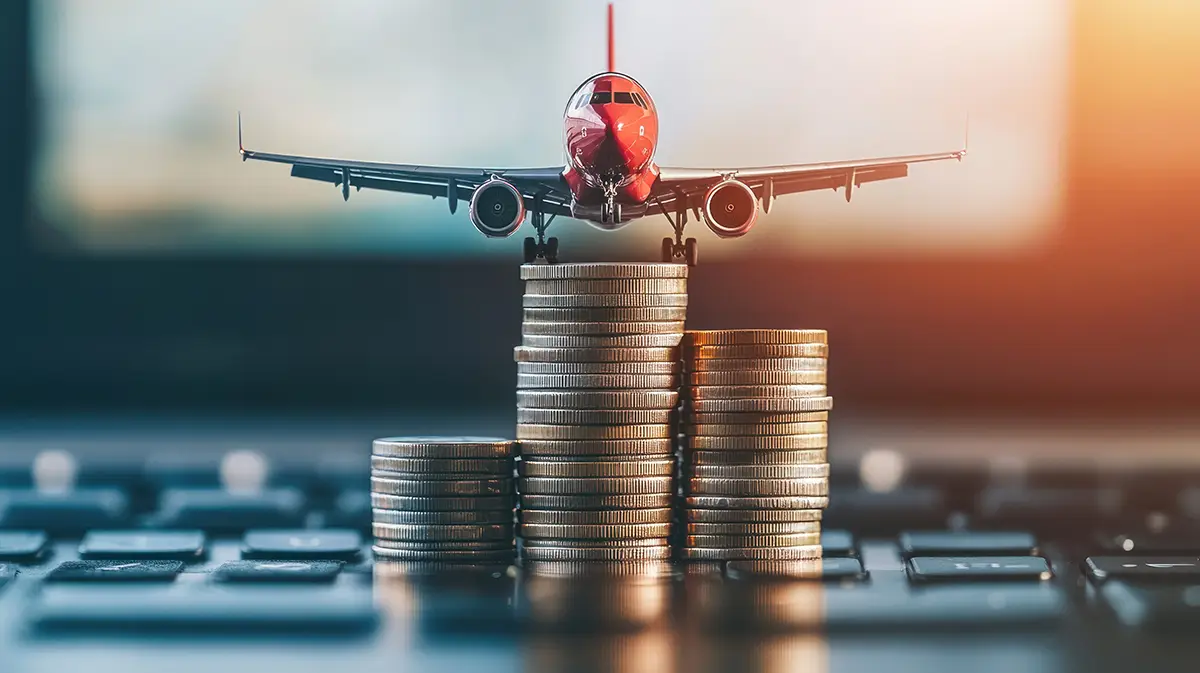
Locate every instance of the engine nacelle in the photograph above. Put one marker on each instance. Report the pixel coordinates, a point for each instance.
(497, 208)
(730, 209)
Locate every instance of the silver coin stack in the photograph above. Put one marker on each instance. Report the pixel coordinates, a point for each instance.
(443, 499)
(597, 385)
(754, 435)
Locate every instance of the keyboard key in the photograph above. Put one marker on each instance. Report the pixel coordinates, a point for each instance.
(886, 513)
(1065, 512)
(332, 544)
(22, 546)
(1181, 569)
(8, 572)
(213, 510)
(277, 571)
(981, 568)
(351, 509)
(116, 571)
(829, 569)
(188, 609)
(1161, 607)
(1174, 541)
(954, 543)
(63, 513)
(837, 543)
(181, 545)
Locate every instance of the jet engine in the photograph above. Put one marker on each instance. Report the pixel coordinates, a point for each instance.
(730, 209)
(497, 208)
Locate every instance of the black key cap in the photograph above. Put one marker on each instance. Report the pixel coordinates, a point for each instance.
(977, 568)
(224, 511)
(332, 544)
(837, 543)
(1174, 541)
(351, 509)
(22, 546)
(7, 572)
(116, 571)
(1141, 569)
(188, 609)
(64, 513)
(887, 513)
(832, 569)
(954, 543)
(180, 545)
(1065, 512)
(278, 571)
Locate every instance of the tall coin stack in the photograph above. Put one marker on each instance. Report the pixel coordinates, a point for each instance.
(754, 468)
(597, 383)
(443, 499)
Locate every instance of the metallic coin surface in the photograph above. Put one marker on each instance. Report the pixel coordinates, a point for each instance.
(752, 541)
(756, 443)
(580, 543)
(638, 569)
(603, 270)
(595, 517)
(442, 504)
(755, 378)
(490, 556)
(608, 368)
(759, 351)
(801, 471)
(537, 431)
(752, 528)
(596, 553)
(601, 328)
(623, 501)
(720, 516)
(486, 516)
(599, 399)
(777, 569)
(446, 545)
(754, 429)
(762, 404)
(438, 533)
(617, 314)
(439, 476)
(764, 364)
(753, 417)
(607, 286)
(594, 381)
(663, 467)
(635, 531)
(615, 300)
(432, 488)
(752, 458)
(596, 485)
(613, 341)
(733, 337)
(757, 487)
(736, 392)
(600, 447)
(581, 355)
(800, 553)
(443, 447)
(594, 416)
(756, 502)
(498, 466)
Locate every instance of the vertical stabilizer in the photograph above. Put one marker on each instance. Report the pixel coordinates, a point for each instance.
(612, 61)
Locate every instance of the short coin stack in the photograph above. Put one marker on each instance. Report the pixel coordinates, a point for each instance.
(597, 383)
(753, 462)
(443, 499)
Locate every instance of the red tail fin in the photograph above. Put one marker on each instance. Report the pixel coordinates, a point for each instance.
(612, 64)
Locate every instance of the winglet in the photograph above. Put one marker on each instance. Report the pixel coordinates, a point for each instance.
(241, 147)
(612, 63)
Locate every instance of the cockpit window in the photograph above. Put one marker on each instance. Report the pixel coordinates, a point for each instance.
(601, 98)
(637, 98)
(583, 99)
(623, 97)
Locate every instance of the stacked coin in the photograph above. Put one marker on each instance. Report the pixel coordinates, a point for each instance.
(443, 499)
(754, 470)
(597, 385)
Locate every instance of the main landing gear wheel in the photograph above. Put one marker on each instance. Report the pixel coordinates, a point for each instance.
(550, 250)
(686, 250)
(531, 250)
(668, 250)
(689, 251)
(547, 251)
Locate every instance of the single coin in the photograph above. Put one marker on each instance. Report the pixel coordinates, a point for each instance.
(755, 378)
(500, 466)
(490, 556)
(762, 404)
(752, 541)
(758, 351)
(443, 447)
(603, 270)
(755, 502)
(653, 431)
(756, 443)
(757, 487)
(446, 545)
(438, 533)
(632, 569)
(753, 458)
(606, 368)
(581, 355)
(635, 531)
(595, 381)
(578, 543)
(597, 517)
(753, 417)
(753, 528)
(615, 300)
(764, 364)
(664, 467)
(595, 553)
(599, 447)
(618, 314)
(598, 399)
(431, 488)
(733, 337)
(739, 392)
(438, 476)
(596, 486)
(613, 341)
(754, 429)
(725, 516)
(442, 504)
(801, 553)
(594, 416)
(607, 286)
(792, 570)
(758, 471)
(601, 328)
(487, 516)
(623, 501)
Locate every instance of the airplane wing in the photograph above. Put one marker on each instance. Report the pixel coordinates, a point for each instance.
(451, 182)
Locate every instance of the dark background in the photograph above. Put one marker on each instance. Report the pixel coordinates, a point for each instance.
(1104, 321)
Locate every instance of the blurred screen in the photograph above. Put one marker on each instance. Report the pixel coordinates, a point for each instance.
(139, 99)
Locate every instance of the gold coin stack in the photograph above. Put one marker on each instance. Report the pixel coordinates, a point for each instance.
(597, 385)
(754, 434)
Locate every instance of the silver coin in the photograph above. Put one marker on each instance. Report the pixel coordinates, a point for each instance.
(442, 533)
(607, 286)
(801, 553)
(596, 517)
(733, 337)
(603, 270)
(498, 466)
(752, 541)
(489, 556)
(650, 431)
(443, 447)
(795, 570)
(808, 364)
(647, 569)
(760, 404)
(594, 381)
(739, 392)
(582, 355)
(757, 487)
(438, 476)
(752, 528)
(753, 417)
(601, 447)
(756, 378)
(596, 553)
(578, 543)
(620, 501)
(663, 467)
(756, 502)
(615, 300)
(594, 416)
(445, 545)
(601, 328)
(605, 368)
(753, 458)
(755, 429)
(757, 351)
(618, 314)
(433, 488)
(725, 516)
(802, 471)
(441, 518)
(635, 531)
(598, 399)
(596, 486)
(442, 504)
(756, 443)
(614, 341)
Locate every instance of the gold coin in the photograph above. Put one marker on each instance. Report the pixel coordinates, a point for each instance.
(754, 429)
(753, 417)
(755, 443)
(758, 365)
(604, 341)
(755, 351)
(757, 487)
(782, 458)
(761, 404)
(741, 392)
(733, 337)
